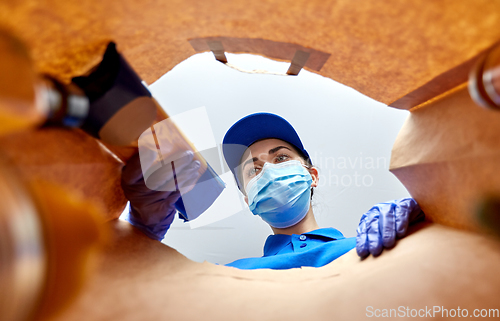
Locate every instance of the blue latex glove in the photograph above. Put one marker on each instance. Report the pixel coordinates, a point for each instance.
(383, 223)
(152, 211)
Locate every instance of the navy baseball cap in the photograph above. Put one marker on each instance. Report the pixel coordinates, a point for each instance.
(255, 127)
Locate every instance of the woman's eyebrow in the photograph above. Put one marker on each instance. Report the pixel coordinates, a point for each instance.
(275, 149)
(249, 161)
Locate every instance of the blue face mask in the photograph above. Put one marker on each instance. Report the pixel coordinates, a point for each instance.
(280, 193)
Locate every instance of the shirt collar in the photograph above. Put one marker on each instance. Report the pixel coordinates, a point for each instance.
(328, 232)
(275, 243)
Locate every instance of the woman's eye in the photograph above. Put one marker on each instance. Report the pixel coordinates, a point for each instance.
(253, 171)
(281, 158)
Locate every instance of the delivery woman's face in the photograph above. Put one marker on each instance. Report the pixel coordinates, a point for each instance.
(270, 150)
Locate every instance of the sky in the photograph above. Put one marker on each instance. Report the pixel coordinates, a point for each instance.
(349, 137)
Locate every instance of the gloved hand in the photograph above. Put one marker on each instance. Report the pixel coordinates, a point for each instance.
(152, 211)
(383, 223)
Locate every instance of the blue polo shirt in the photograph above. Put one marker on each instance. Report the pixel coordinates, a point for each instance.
(315, 248)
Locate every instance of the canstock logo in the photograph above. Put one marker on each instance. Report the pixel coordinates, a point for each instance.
(170, 152)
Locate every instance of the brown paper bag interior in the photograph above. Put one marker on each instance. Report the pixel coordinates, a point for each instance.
(396, 53)
(437, 266)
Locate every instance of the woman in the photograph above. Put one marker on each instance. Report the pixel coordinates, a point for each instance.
(274, 172)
